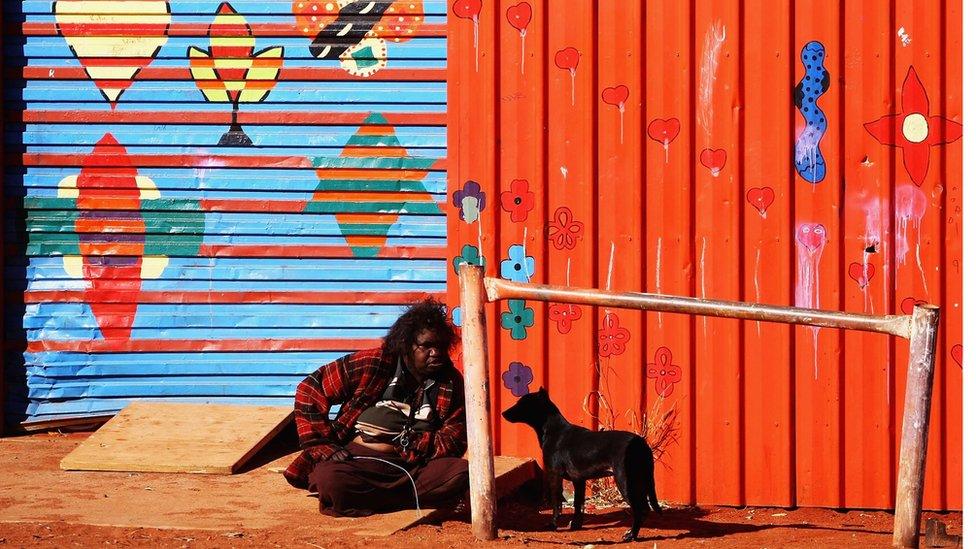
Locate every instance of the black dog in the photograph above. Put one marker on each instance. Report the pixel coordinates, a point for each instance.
(578, 454)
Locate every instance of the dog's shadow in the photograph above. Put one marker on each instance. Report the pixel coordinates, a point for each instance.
(675, 523)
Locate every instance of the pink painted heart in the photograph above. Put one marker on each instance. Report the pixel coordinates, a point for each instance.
(615, 95)
(713, 159)
(956, 353)
(761, 198)
(811, 235)
(468, 9)
(519, 16)
(860, 273)
(568, 58)
(663, 131)
(908, 304)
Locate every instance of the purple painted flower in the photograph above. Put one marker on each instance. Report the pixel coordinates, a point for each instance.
(470, 201)
(517, 378)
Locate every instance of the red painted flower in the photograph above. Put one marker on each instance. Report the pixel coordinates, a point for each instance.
(564, 314)
(563, 231)
(613, 336)
(664, 372)
(518, 201)
(913, 130)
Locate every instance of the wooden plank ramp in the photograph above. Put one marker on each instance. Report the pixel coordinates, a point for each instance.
(179, 438)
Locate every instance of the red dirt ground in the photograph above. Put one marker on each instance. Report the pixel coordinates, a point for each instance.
(520, 521)
(520, 525)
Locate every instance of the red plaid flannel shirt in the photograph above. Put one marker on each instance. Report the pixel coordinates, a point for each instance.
(357, 381)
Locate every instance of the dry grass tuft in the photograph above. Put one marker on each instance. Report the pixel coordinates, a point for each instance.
(658, 426)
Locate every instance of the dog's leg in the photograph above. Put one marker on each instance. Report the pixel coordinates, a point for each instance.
(634, 484)
(554, 486)
(579, 496)
(620, 476)
(652, 491)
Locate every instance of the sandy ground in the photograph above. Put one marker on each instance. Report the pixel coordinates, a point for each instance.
(42, 506)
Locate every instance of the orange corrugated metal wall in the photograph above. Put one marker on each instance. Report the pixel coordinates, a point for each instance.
(661, 147)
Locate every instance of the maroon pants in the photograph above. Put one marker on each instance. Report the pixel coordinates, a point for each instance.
(361, 487)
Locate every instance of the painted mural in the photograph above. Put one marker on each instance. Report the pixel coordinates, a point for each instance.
(216, 197)
(690, 148)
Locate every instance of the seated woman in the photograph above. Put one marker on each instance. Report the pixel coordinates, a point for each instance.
(402, 413)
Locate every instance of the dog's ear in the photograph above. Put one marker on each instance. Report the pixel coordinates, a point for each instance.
(542, 390)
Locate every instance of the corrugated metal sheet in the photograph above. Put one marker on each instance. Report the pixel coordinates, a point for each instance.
(201, 208)
(799, 153)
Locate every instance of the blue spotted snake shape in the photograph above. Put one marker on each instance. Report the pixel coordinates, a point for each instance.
(807, 158)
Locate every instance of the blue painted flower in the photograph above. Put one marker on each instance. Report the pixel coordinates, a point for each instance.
(518, 318)
(469, 254)
(470, 201)
(518, 267)
(456, 316)
(517, 378)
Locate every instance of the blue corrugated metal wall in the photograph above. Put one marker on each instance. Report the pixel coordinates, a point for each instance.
(203, 205)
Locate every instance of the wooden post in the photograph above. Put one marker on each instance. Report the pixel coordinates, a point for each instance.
(481, 468)
(915, 425)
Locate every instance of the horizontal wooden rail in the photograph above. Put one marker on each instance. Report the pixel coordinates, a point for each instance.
(897, 325)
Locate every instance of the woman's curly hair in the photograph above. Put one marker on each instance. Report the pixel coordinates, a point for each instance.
(428, 314)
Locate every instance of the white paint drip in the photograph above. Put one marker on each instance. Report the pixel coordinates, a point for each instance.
(910, 206)
(875, 233)
(481, 252)
(572, 83)
(610, 266)
(568, 260)
(522, 62)
(563, 170)
(755, 283)
(806, 149)
(477, 48)
(525, 253)
(905, 39)
(868, 302)
(816, 351)
(807, 292)
(657, 280)
(701, 269)
(706, 82)
(918, 262)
